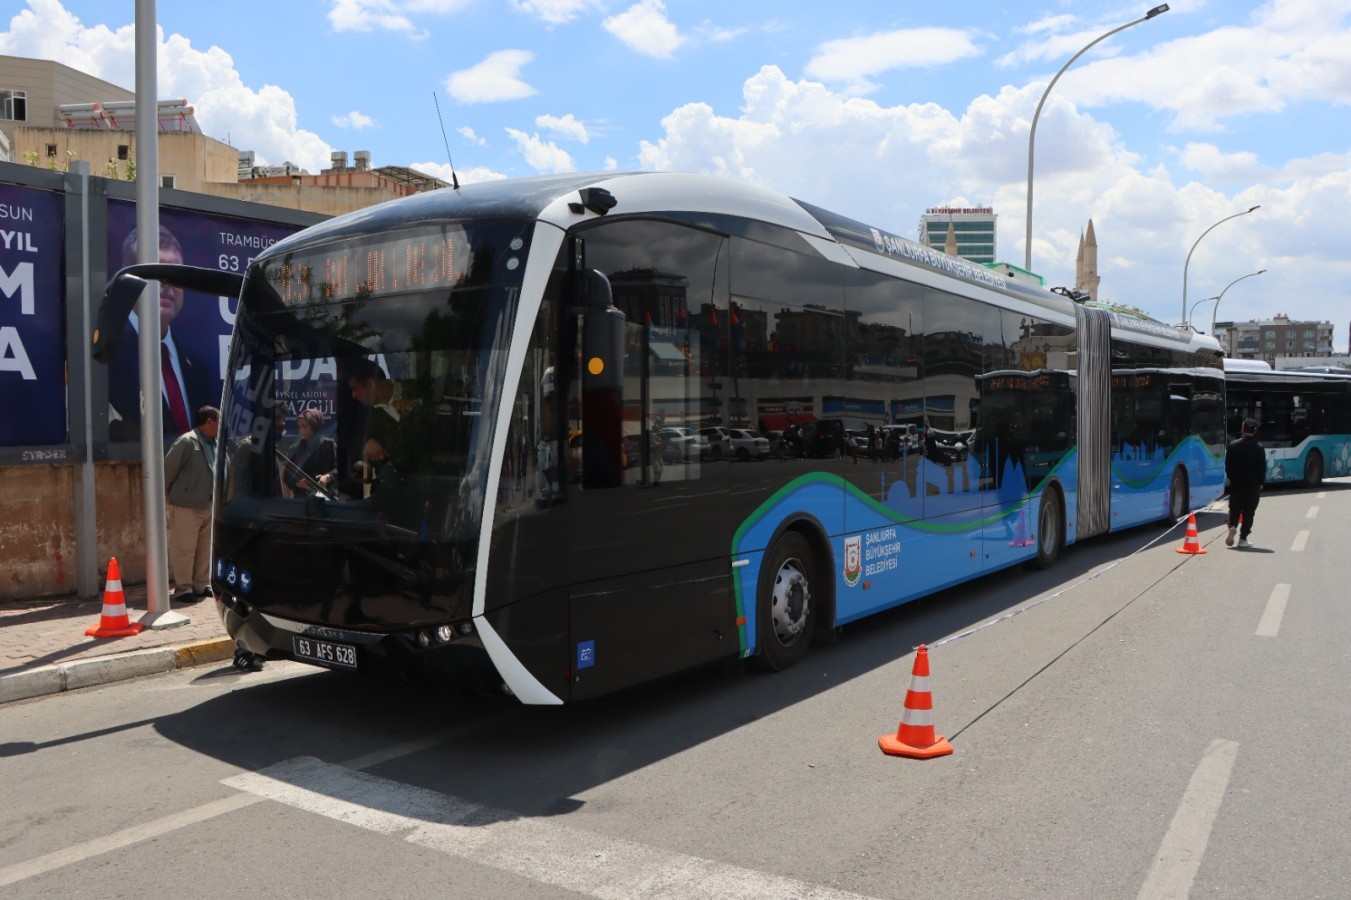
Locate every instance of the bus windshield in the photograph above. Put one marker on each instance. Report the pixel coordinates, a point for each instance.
(362, 382)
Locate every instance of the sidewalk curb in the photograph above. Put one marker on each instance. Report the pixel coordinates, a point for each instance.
(106, 669)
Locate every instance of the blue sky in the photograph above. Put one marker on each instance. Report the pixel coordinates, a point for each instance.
(876, 110)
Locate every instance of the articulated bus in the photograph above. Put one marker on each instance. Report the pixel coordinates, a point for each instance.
(1305, 418)
(510, 374)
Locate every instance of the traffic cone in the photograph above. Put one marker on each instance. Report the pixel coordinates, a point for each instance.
(114, 622)
(1191, 543)
(915, 737)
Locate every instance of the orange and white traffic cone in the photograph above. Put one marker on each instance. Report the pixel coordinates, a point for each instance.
(1191, 543)
(114, 622)
(915, 737)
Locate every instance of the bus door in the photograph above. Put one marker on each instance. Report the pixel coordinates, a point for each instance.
(645, 525)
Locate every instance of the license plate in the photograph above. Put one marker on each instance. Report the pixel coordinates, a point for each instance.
(326, 653)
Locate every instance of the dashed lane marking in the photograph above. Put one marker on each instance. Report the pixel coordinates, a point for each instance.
(1271, 617)
(1184, 844)
(1300, 540)
(1313, 513)
(585, 862)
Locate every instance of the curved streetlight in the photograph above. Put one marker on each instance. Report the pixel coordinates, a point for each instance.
(1216, 309)
(1185, 311)
(1032, 132)
(1193, 309)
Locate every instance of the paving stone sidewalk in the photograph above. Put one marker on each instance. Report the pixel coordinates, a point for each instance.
(44, 650)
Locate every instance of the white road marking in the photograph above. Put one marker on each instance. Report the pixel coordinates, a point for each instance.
(1313, 513)
(1300, 540)
(1322, 495)
(41, 865)
(573, 859)
(1271, 618)
(75, 853)
(1184, 844)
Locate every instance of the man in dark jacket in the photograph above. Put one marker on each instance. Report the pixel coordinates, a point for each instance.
(1245, 465)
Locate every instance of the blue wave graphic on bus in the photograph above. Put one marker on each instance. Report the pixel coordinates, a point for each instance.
(909, 540)
(957, 535)
(1291, 463)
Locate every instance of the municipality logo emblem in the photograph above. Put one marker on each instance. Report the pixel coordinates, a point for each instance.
(853, 559)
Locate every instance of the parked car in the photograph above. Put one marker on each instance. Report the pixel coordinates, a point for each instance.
(719, 442)
(681, 444)
(902, 437)
(824, 437)
(746, 444)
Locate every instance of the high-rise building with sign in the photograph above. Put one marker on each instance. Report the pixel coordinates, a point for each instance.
(973, 226)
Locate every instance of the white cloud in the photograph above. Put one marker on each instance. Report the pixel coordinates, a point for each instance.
(1225, 168)
(441, 7)
(465, 176)
(1294, 51)
(567, 127)
(611, 164)
(354, 120)
(263, 120)
(496, 78)
(471, 136)
(554, 12)
(645, 29)
(856, 60)
(717, 34)
(540, 155)
(368, 15)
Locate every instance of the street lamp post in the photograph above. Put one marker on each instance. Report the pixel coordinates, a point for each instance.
(1032, 132)
(1198, 303)
(1214, 311)
(1185, 311)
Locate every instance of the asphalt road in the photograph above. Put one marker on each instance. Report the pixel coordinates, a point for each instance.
(1167, 726)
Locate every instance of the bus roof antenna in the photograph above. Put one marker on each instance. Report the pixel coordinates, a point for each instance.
(455, 182)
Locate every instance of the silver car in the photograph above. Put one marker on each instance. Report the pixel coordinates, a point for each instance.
(747, 444)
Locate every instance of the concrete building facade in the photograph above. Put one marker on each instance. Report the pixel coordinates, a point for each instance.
(1274, 338)
(52, 115)
(973, 228)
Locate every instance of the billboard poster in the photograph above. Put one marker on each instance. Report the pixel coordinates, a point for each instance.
(194, 328)
(32, 317)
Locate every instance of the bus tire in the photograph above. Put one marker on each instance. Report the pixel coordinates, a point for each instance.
(1313, 469)
(1179, 498)
(1050, 529)
(785, 608)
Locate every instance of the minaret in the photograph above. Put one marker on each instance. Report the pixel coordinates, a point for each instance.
(950, 245)
(1086, 264)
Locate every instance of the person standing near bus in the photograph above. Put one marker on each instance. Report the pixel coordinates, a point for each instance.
(188, 484)
(1245, 465)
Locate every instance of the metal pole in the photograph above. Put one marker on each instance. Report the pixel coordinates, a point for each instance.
(1216, 308)
(1196, 304)
(1032, 132)
(159, 614)
(1185, 311)
(86, 504)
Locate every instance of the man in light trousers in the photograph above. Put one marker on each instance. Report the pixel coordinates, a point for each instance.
(188, 480)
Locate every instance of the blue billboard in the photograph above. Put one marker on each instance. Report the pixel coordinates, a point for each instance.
(32, 317)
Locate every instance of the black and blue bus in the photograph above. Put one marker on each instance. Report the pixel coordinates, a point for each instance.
(502, 370)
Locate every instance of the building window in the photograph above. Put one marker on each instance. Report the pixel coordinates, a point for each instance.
(14, 105)
(51, 151)
(166, 181)
(123, 151)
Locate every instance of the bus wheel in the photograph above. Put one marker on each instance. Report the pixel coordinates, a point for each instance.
(1049, 530)
(1179, 499)
(1313, 469)
(784, 608)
